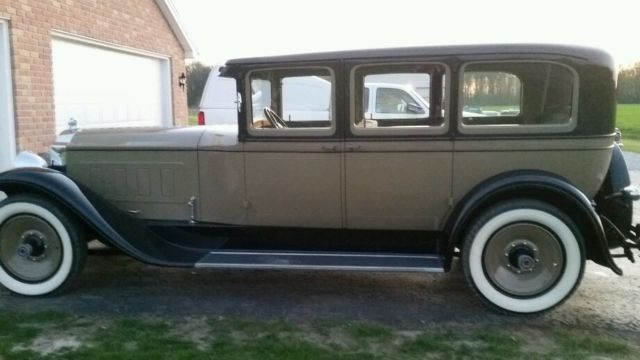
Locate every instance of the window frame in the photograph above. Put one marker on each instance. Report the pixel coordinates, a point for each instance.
(494, 129)
(289, 132)
(404, 130)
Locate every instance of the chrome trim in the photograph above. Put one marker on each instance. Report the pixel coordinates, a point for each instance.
(192, 210)
(284, 264)
(26, 159)
(632, 192)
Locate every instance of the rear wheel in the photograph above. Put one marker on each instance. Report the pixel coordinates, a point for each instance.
(523, 256)
(41, 247)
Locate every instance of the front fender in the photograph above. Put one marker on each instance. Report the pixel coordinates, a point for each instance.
(112, 225)
(539, 185)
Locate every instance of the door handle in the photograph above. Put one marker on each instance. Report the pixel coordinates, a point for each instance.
(332, 148)
(353, 147)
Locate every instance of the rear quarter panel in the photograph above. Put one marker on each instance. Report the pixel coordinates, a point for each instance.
(582, 161)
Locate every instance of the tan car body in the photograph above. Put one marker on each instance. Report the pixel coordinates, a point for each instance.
(399, 185)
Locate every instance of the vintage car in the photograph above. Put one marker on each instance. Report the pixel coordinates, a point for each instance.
(524, 189)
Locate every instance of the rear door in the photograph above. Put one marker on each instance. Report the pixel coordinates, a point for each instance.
(397, 168)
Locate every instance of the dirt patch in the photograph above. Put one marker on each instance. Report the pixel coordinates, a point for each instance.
(49, 344)
(194, 330)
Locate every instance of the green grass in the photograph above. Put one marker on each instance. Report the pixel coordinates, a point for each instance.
(29, 336)
(628, 121)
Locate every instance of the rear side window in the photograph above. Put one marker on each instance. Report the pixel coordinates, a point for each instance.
(518, 96)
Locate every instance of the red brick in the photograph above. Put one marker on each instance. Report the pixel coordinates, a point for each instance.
(137, 24)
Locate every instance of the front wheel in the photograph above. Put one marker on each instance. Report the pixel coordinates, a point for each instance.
(41, 247)
(523, 256)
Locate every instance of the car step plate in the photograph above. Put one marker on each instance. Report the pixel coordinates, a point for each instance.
(322, 261)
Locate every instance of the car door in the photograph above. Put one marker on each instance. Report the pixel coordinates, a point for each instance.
(293, 154)
(397, 170)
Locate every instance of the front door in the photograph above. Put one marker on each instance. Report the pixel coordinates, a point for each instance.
(7, 134)
(398, 161)
(293, 160)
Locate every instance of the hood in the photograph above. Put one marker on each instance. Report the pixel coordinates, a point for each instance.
(182, 138)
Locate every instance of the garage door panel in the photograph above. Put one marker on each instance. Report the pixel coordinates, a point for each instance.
(104, 88)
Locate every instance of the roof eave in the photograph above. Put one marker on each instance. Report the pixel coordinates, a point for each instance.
(171, 14)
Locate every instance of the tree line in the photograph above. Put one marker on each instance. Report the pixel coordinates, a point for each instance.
(629, 85)
(482, 88)
(197, 74)
(490, 88)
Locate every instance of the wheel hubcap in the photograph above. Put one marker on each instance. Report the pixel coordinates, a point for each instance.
(523, 259)
(30, 249)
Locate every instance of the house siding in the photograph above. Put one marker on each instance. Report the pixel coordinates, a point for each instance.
(136, 24)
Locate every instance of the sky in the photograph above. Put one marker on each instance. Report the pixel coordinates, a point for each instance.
(241, 28)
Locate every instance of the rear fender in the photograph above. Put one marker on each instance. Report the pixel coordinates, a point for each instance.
(538, 185)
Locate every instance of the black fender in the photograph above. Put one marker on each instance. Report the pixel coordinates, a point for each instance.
(617, 209)
(532, 184)
(115, 227)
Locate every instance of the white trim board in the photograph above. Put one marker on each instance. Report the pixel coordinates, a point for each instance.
(84, 40)
(7, 119)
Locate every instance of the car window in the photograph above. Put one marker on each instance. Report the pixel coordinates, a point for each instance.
(291, 99)
(518, 95)
(398, 98)
(397, 101)
(491, 93)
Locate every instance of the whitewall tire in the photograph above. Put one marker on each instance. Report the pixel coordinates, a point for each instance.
(523, 256)
(42, 248)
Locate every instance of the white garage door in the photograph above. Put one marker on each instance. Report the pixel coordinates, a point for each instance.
(104, 88)
(7, 135)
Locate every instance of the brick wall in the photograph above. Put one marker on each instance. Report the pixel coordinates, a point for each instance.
(133, 23)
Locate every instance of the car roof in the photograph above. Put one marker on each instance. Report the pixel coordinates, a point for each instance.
(592, 55)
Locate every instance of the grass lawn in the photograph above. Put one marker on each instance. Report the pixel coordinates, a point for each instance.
(628, 120)
(60, 336)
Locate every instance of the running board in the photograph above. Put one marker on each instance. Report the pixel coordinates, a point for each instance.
(322, 261)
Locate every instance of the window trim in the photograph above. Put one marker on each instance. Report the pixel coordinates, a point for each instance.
(404, 130)
(518, 129)
(289, 132)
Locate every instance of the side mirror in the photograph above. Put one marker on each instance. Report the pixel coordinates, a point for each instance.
(414, 109)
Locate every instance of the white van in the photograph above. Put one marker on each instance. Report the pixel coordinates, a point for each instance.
(218, 104)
